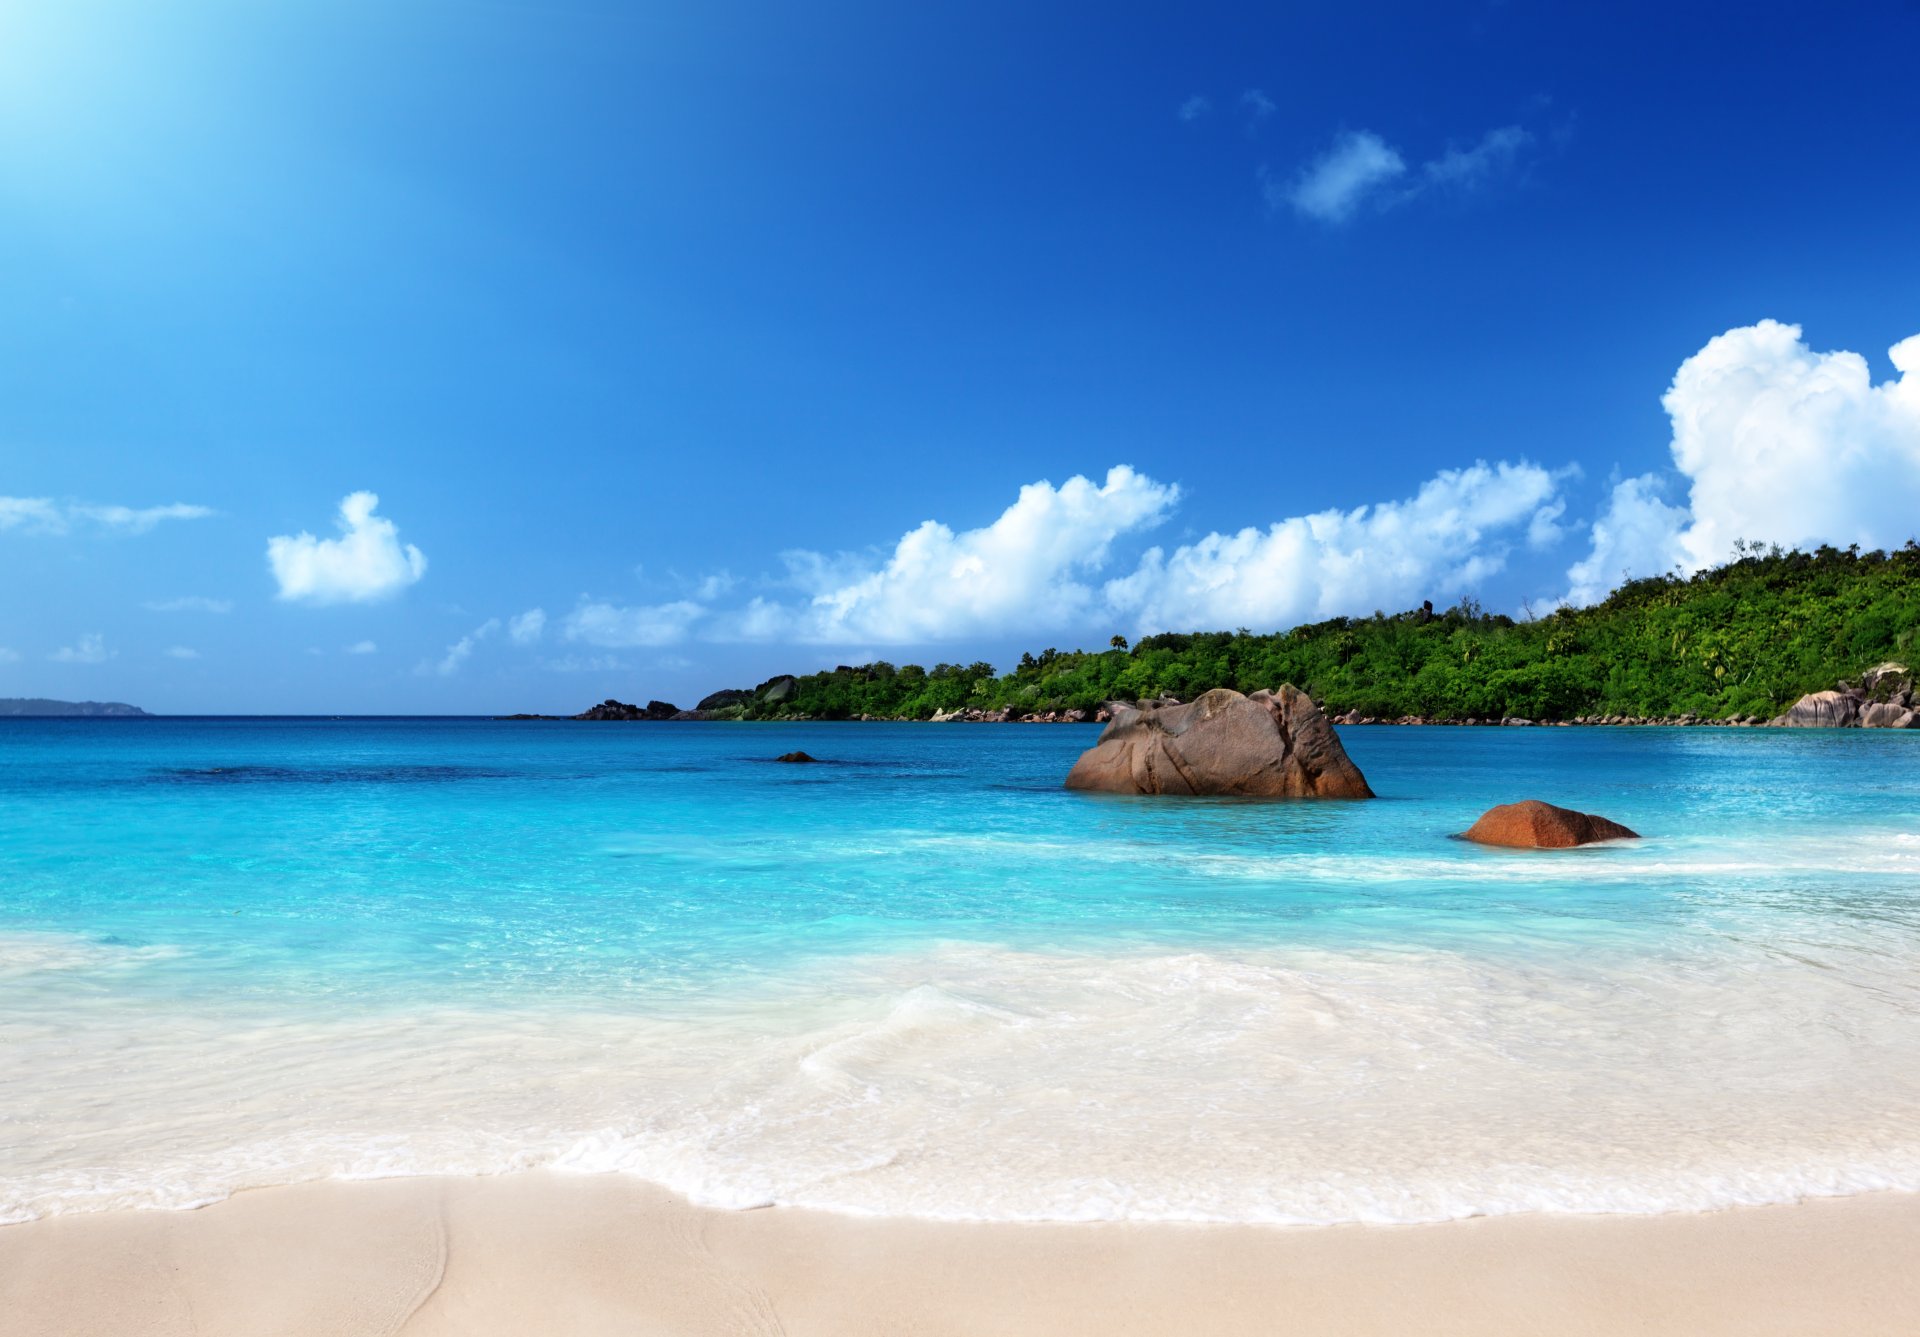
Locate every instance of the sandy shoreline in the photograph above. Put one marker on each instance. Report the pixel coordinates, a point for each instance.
(542, 1253)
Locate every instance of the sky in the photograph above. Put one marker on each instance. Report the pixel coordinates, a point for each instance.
(392, 356)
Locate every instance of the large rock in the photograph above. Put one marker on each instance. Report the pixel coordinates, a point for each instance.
(1531, 824)
(1822, 710)
(1887, 715)
(1268, 745)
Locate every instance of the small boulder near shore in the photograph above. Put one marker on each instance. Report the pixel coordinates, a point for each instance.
(1267, 745)
(1534, 825)
(796, 758)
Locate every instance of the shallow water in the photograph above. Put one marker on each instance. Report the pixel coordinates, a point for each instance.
(922, 978)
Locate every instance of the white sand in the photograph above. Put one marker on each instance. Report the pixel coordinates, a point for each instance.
(543, 1253)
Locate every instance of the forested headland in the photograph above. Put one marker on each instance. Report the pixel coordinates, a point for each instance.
(1746, 638)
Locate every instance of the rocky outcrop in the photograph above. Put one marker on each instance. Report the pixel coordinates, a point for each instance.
(731, 696)
(1883, 698)
(611, 709)
(776, 690)
(1267, 745)
(1887, 715)
(1531, 824)
(797, 758)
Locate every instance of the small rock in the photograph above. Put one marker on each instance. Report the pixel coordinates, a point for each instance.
(796, 758)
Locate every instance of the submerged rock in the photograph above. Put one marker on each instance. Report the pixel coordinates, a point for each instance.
(796, 758)
(1267, 745)
(1531, 824)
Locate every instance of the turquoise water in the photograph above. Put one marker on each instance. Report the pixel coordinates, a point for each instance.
(923, 978)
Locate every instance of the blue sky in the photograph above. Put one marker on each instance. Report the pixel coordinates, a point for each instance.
(726, 338)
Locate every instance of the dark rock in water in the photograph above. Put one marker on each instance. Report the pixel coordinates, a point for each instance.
(1531, 824)
(796, 758)
(1267, 745)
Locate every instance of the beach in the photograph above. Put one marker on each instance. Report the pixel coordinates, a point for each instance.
(584, 1255)
(475, 1027)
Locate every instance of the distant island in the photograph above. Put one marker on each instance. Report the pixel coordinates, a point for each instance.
(40, 706)
(1737, 643)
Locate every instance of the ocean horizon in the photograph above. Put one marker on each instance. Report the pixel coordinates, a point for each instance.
(922, 979)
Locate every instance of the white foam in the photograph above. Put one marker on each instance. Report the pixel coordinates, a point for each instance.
(24, 954)
(974, 1082)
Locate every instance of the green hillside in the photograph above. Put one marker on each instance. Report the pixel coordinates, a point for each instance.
(1746, 638)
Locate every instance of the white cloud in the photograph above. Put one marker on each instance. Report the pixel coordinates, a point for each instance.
(1194, 108)
(42, 515)
(180, 652)
(584, 664)
(528, 626)
(366, 562)
(1496, 153)
(1340, 180)
(1778, 444)
(1021, 571)
(1360, 170)
(1257, 106)
(1638, 535)
(191, 603)
(32, 515)
(363, 648)
(90, 649)
(139, 521)
(616, 627)
(461, 650)
(713, 586)
(9, 656)
(1443, 541)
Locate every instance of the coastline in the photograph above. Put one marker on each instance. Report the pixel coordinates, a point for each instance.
(545, 1252)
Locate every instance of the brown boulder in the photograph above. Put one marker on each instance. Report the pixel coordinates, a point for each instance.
(1822, 710)
(1531, 824)
(1886, 715)
(1267, 745)
(796, 758)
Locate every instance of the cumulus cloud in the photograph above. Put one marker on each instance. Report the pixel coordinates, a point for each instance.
(180, 652)
(43, 515)
(462, 650)
(614, 626)
(363, 648)
(528, 626)
(1194, 108)
(1637, 535)
(190, 603)
(1443, 541)
(366, 562)
(1777, 444)
(1334, 185)
(89, 649)
(1024, 570)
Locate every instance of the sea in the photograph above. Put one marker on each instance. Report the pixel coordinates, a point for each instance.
(920, 978)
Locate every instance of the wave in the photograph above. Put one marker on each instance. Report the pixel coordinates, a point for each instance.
(963, 1081)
